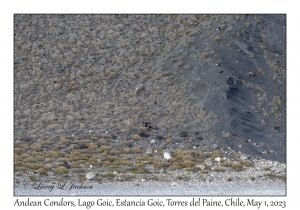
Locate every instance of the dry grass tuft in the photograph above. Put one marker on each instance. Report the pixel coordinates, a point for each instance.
(217, 38)
(137, 150)
(169, 141)
(112, 75)
(237, 166)
(126, 150)
(136, 137)
(188, 163)
(205, 55)
(61, 170)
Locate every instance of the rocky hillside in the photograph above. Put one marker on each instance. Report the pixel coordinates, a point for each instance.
(90, 84)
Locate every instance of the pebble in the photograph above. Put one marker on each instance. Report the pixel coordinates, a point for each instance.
(167, 155)
(149, 151)
(202, 167)
(174, 184)
(44, 60)
(217, 159)
(162, 171)
(243, 157)
(226, 135)
(90, 175)
(208, 163)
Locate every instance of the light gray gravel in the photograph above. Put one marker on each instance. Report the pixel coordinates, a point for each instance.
(238, 188)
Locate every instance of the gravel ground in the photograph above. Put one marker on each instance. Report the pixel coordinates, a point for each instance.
(261, 187)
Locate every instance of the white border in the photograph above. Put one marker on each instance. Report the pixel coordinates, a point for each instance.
(154, 6)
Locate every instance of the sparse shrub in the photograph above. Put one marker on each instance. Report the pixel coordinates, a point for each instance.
(165, 74)
(142, 130)
(155, 178)
(47, 168)
(164, 164)
(217, 38)
(54, 154)
(39, 158)
(61, 170)
(91, 146)
(126, 150)
(112, 75)
(80, 118)
(128, 143)
(93, 159)
(42, 171)
(102, 141)
(187, 157)
(143, 158)
(106, 163)
(201, 157)
(178, 154)
(73, 86)
(109, 175)
(160, 152)
(115, 152)
(125, 163)
(226, 164)
(104, 154)
(169, 141)
(222, 169)
(136, 137)
(215, 154)
(106, 136)
(180, 64)
(155, 164)
(237, 166)
(34, 166)
(247, 163)
(204, 171)
(29, 160)
(173, 60)
(32, 178)
(205, 55)
(137, 150)
(141, 165)
(18, 150)
(188, 163)
(177, 165)
(104, 148)
(41, 74)
(248, 24)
